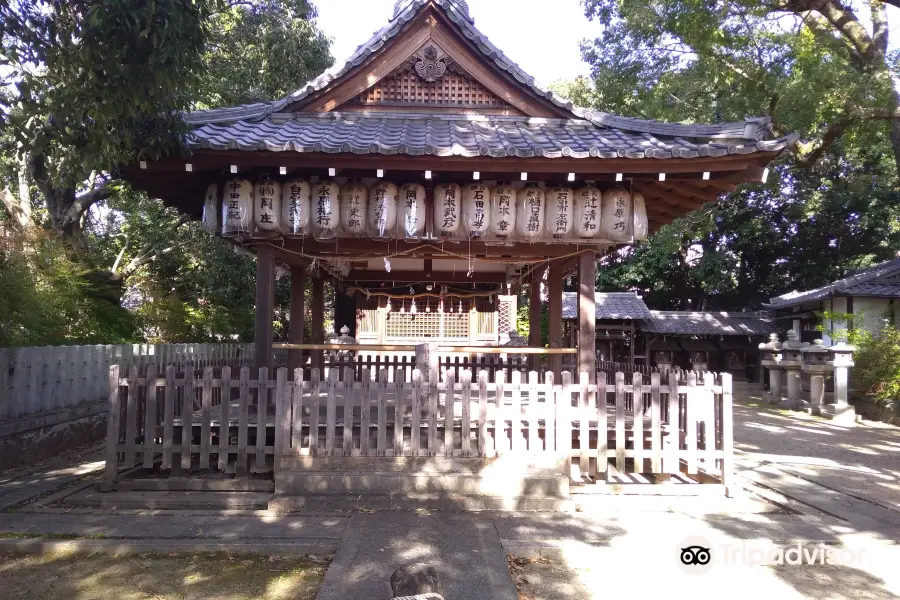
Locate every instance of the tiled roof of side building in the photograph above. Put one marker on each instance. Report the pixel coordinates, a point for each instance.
(419, 134)
(709, 323)
(608, 305)
(662, 140)
(856, 284)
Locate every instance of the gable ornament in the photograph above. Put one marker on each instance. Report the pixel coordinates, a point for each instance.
(428, 65)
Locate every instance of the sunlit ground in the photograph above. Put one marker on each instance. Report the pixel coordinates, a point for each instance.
(160, 577)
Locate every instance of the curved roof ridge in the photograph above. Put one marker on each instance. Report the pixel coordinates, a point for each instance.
(752, 128)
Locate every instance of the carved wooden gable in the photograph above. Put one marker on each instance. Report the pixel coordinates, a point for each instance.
(431, 78)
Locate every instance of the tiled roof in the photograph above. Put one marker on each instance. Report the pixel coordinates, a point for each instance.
(470, 136)
(255, 126)
(611, 305)
(856, 284)
(708, 323)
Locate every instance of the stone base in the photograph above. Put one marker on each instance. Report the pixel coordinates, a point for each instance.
(794, 405)
(841, 414)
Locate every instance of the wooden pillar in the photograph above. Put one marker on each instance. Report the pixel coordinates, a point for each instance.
(587, 314)
(298, 321)
(534, 317)
(265, 305)
(317, 314)
(555, 292)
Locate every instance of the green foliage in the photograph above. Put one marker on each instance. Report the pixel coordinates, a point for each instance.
(261, 52)
(50, 298)
(877, 370)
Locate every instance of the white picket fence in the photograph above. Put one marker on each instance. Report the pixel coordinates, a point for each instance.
(38, 379)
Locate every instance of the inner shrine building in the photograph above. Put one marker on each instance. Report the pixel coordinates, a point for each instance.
(430, 178)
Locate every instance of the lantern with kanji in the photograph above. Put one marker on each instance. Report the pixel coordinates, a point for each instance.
(354, 208)
(411, 213)
(530, 209)
(588, 202)
(476, 208)
(641, 226)
(295, 206)
(616, 218)
(383, 209)
(267, 212)
(560, 211)
(447, 208)
(326, 209)
(211, 208)
(503, 210)
(237, 206)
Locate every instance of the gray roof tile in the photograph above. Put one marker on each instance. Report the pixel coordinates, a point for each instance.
(462, 135)
(608, 305)
(708, 323)
(741, 137)
(850, 285)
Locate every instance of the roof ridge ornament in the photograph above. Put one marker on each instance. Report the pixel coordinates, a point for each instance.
(460, 5)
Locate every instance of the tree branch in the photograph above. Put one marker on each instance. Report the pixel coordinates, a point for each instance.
(151, 251)
(880, 29)
(836, 129)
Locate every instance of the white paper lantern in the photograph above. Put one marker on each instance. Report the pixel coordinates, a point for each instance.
(641, 226)
(383, 209)
(447, 208)
(476, 208)
(325, 209)
(560, 211)
(295, 206)
(237, 206)
(354, 208)
(530, 210)
(616, 219)
(503, 210)
(267, 213)
(588, 202)
(411, 215)
(211, 208)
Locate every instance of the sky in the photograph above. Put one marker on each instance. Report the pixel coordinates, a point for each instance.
(542, 37)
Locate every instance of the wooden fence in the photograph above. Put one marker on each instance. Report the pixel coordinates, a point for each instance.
(647, 426)
(45, 378)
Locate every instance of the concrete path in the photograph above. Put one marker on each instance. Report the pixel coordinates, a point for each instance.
(18, 486)
(851, 472)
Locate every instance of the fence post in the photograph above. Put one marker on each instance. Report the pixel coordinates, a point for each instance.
(282, 396)
(112, 429)
(728, 478)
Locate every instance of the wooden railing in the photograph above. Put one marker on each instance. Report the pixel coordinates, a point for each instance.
(38, 379)
(647, 426)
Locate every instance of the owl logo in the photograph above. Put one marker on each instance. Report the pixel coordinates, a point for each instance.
(695, 555)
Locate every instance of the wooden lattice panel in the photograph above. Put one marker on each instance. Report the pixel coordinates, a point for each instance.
(405, 88)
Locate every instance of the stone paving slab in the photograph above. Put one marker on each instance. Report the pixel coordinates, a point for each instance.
(175, 526)
(465, 548)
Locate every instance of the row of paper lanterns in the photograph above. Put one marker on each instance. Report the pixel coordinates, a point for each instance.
(384, 210)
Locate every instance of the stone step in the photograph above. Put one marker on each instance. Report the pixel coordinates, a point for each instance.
(176, 500)
(344, 503)
(538, 462)
(488, 483)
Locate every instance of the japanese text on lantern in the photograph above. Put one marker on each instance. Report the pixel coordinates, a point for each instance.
(411, 213)
(619, 214)
(324, 209)
(534, 212)
(562, 211)
(503, 208)
(233, 212)
(380, 209)
(354, 210)
(478, 217)
(295, 206)
(590, 210)
(266, 194)
(450, 207)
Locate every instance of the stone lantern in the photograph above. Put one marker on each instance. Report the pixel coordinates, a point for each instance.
(343, 339)
(815, 364)
(770, 358)
(842, 360)
(791, 362)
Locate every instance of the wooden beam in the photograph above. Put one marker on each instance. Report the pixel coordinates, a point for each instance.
(554, 295)
(587, 314)
(317, 314)
(416, 277)
(295, 334)
(265, 306)
(534, 314)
